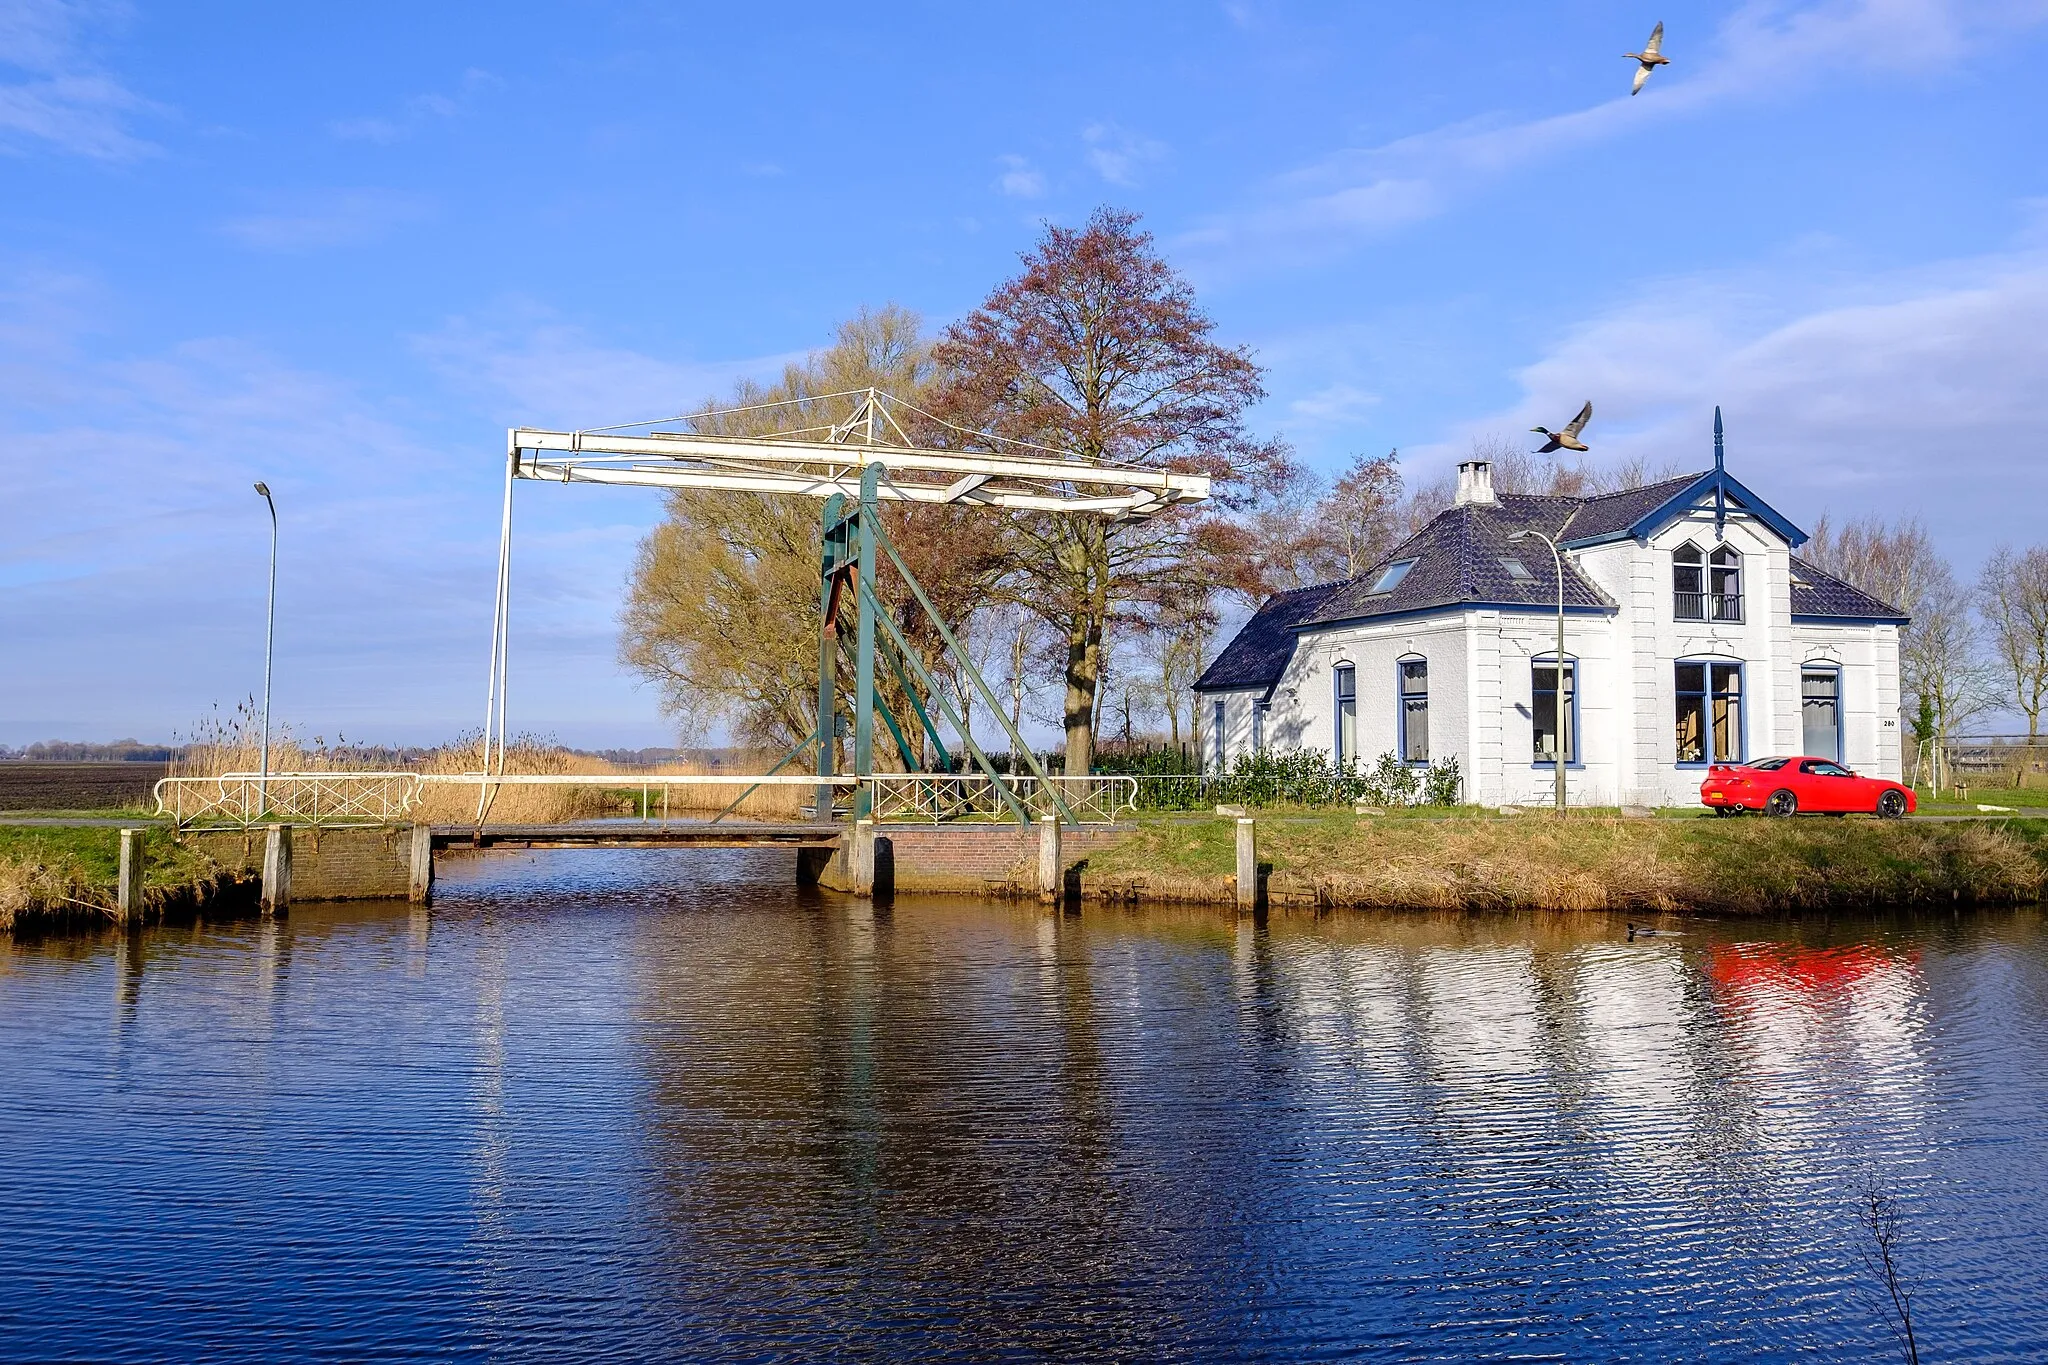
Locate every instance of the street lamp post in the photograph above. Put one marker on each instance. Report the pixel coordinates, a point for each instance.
(1563, 718)
(269, 635)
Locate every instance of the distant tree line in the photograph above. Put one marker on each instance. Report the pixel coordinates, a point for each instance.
(1971, 649)
(66, 751)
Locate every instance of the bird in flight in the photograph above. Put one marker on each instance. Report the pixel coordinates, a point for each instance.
(1650, 58)
(1568, 439)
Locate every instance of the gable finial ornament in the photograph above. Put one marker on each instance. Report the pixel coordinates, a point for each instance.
(1720, 473)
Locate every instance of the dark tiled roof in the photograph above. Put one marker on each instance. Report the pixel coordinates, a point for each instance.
(1259, 653)
(1613, 513)
(1458, 563)
(1818, 594)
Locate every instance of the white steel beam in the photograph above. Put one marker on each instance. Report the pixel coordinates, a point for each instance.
(822, 468)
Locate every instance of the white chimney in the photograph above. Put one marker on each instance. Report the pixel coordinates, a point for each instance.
(1475, 483)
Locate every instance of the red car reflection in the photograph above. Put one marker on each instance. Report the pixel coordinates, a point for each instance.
(1790, 786)
(1750, 968)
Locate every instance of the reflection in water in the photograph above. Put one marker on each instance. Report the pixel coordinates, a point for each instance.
(603, 1105)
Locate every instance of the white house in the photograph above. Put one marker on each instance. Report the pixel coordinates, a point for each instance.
(1693, 634)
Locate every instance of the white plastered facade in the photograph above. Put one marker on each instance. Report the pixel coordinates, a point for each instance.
(1481, 678)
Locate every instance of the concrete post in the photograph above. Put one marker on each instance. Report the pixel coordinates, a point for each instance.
(421, 890)
(1247, 868)
(863, 858)
(1050, 864)
(128, 891)
(277, 868)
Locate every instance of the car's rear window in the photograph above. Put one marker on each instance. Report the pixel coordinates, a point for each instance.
(1770, 765)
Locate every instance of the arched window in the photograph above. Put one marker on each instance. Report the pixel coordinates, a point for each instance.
(1688, 583)
(1554, 709)
(1724, 585)
(1347, 712)
(1820, 709)
(1412, 678)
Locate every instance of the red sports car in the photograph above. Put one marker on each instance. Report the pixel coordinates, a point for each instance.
(1790, 786)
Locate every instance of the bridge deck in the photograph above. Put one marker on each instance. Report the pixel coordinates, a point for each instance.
(620, 834)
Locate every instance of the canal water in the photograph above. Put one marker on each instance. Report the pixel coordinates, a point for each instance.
(605, 1105)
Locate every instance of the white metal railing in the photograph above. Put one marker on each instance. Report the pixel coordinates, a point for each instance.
(295, 798)
(939, 797)
(339, 798)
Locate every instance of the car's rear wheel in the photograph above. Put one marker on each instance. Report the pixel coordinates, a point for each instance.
(1781, 802)
(1891, 805)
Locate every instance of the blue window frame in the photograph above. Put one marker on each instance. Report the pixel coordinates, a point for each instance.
(1411, 681)
(1346, 682)
(1221, 742)
(1545, 710)
(1820, 711)
(1709, 711)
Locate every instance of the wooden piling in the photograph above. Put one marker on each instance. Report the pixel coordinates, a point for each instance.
(1050, 864)
(128, 890)
(277, 868)
(863, 858)
(1247, 868)
(421, 889)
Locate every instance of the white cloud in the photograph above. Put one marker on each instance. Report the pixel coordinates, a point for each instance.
(1019, 180)
(531, 367)
(1915, 394)
(327, 218)
(1117, 154)
(66, 101)
(1761, 50)
(1333, 405)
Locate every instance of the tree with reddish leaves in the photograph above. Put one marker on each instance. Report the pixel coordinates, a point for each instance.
(1097, 350)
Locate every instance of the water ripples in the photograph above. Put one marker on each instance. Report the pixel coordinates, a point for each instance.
(654, 1105)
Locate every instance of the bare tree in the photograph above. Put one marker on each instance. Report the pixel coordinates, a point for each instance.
(1308, 532)
(2012, 593)
(1941, 667)
(725, 589)
(1893, 563)
(1098, 350)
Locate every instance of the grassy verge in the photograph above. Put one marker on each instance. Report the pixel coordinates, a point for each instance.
(1585, 862)
(52, 877)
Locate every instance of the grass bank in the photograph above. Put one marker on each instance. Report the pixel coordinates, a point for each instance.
(1536, 862)
(63, 878)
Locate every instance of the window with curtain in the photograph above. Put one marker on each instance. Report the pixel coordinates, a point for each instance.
(1709, 712)
(1820, 712)
(1553, 710)
(1724, 585)
(1414, 683)
(1688, 584)
(1347, 712)
(1259, 710)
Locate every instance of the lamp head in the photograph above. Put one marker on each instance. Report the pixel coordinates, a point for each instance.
(1518, 535)
(263, 488)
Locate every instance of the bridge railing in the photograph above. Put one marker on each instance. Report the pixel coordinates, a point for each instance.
(346, 798)
(937, 798)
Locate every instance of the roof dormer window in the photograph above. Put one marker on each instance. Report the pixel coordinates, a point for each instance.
(1391, 576)
(1516, 569)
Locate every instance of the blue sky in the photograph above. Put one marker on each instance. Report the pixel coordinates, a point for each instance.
(341, 248)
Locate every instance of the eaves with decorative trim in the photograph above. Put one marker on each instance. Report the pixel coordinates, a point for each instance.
(1686, 496)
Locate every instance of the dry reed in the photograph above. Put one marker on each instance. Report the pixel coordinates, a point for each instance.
(615, 789)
